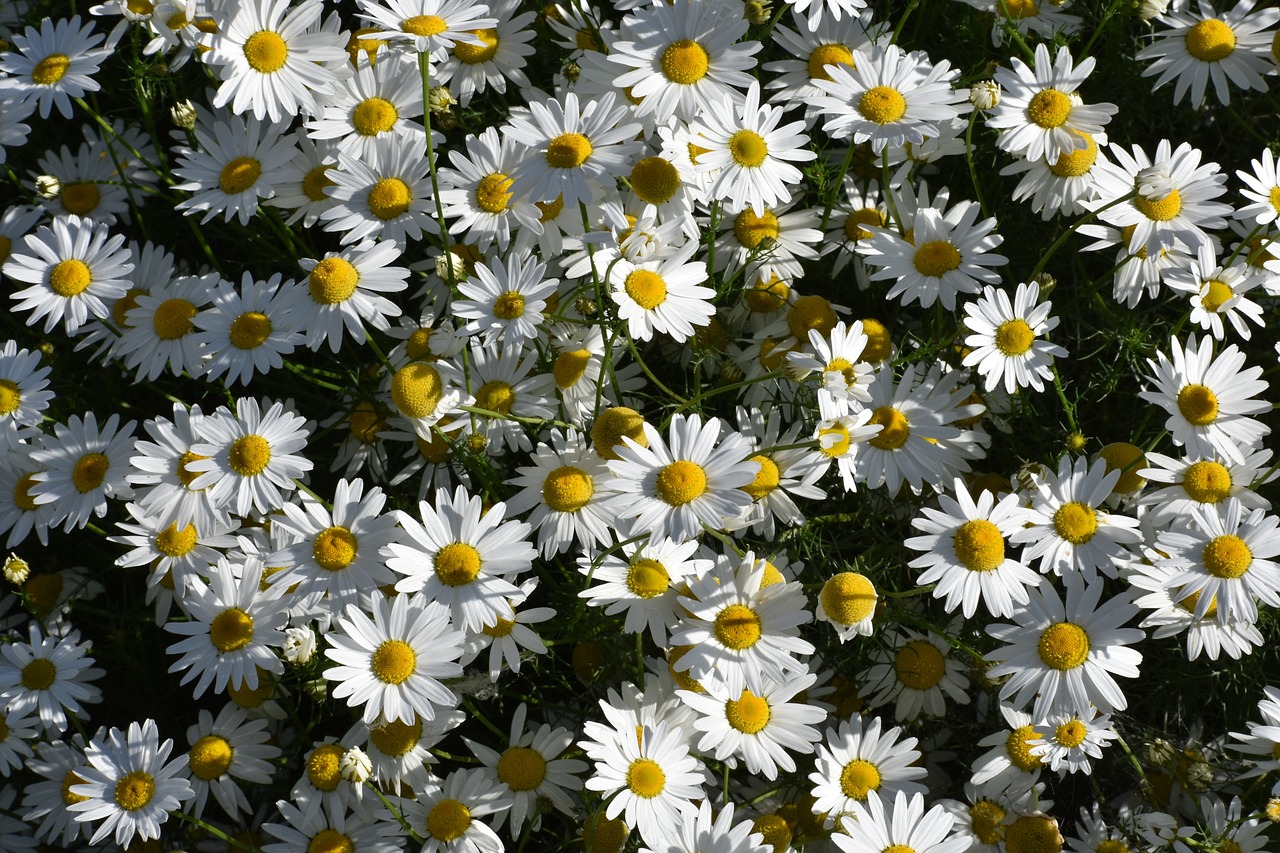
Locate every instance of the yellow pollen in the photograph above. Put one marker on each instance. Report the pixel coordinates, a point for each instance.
(332, 281)
(239, 175)
(1073, 164)
(80, 198)
(509, 306)
(1070, 734)
(882, 105)
(424, 25)
(22, 493)
(39, 674)
(120, 310)
(748, 713)
(501, 628)
(330, 841)
(567, 489)
(737, 627)
(879, 343)
(67, 782)
(853, 230)
(389, 198)
(936, 258)
(840, 445)
(1018, 747)
(766, 480)
(393, 662)
(811, 313)
(568, 151)
(766, 297)
(1216, 294)
(457, 564)
(1207, 481)
(1273, 198)
(748, 148)
(919, 665)
(496, 396)
(493, 193)
(680, 483)
(134, 790)
(1128, 459)
(249, 455)
(828, 54)
(1063, 646)
(570, 367)
(1211, 40)
(417, 389)
(859, 778)
(173, 542)
(172, 319)
(775, 830)
(654, 180)
(898, 848)
(1033, 834)
(1014, 337)
(1049, 108)
(647, 578)
(51, 69)
(231, 630)
(550, 209)
(418, 345)
(253, 697)
(1189, 604)
(685, 62)
(848, 598)
(250, 330)
(646, 288)
(985, 817)
(896, 429)
(316, 181)
(979, 545)
(373, 116)
(1198, 404)
(10, 397)
(266, 52)
(396, 737)
(178, 21)
(1075, 522)
(645, 778)
(522, 768)
(89, 472)
(612, 425)
(474, 54)
(1160, 211)
(334, 548)
(1227, 557)
(323, 766)
(185, 475)
(70, 278)
(752, 230)
(210, 757)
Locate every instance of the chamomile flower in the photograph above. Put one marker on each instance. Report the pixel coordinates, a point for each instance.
(701, 834)
(74, 268)
(91, 184)
(642, 580)
(1065, 657)
(1262, 740)
(55, 63)
(1262, 189)
(319, 821)
(567, 489)
(1218, 290)
(785, 474)
(476, 192)
(234, 168)
(1200, 481)
(346, 292)
(1068, 740)
(48, 675)
(1066, 186)
(506, 382)
(903, 824)
(1209, 399)
(1009, 764)
(506, 302)
(501, 56)
(837, 356)
(770, 245)
(302, 184)
(1170, 613)
(859, 760)
(378, 100)
(82, 467)
(23, 388)
(509, 638)
(847, 602)
(16, 729)
(1007, 341)
(809, 53)
(914, 672)
(250, 329)
(386, 195)
(429, 26)
(392, 663)
(171, 553)
(161, 479)
(224, 750)
(663, 295)
(448, 814)
(159, 333)
(46, 802)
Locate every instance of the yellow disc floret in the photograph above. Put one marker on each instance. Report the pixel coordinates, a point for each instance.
(70, 278)
(51, 69)
(979, 545)
(645, 778)
(1063, 646)
(748, 148)
(393, 662)
(172, 319)
(231, 630)
(1049, 108)
(474, 54)
(936, 258)
(895, 428)
(250, 330)
(334, 548)
(266, 52)
(1227, 556)
(522, 768)
(919, 665)
(1073, 164)
(389, 198)
(417, 389)
(646, 288)
(882, 105)
(647, 578)
(493, 193)
(684, 62)
(1198, 404)
(765, 481)
(827, 54)
(134, 790)
(737, 627)
(567, 489)
(859, 778)
(1210, 40)
(89, 472)
(249, 455)
(1207, 481)
(457, 564)
(210, 757)
(568, 151)
(748, 713)
(1075, 522)
(680, 483)
(1160, 210)
(448, 820)
(333, 280)
(1014, 337)
(848, 598)
(654, 180)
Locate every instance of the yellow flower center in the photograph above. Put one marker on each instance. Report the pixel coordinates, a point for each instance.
(396, 738)
(474, 54)
(752, 230)
(766, 480)
(1227, 556)
(1073, 164)
(250, 330)
(748, 148)
(334, 548)
(1207, 481)
(80, 198)
(323, 766)
(550, 209)
(10, 397)
(493, 193)
(51, 69)
(22, 493)
(210, 757)
(1063, 646)
(853, 230)
(393, 662)
(775, 830)
(315, 182)
(39, 674)
(239, 175)
(859, 778)
(882, 104)
(89, 472)
(895, 428)
(1198, 405)
(748, 713)
(936, 258)
(811, 313)
(828, 54)
(654, 180)
(899, 848)
(1016, 10)
(645, 778)
(43, 591)
(1211, 40)
(417, 389)
(1160, 211)
(424, 25)
(602, 835)
(266, 52)
(919, 665)
(67, 782)
(1014, 337)
(457, 564)
(522, 768)
(1215, 295)
(765, 297)
(253, 697)
(508, 306)
(134, 790)
(501, 628)
(373, 116)
(332, 281)
(173, 542)
(120, 310)
(570, 367)
(70, 278)
(681, 482)
(567, 489)
(1049, 108)
(1128, 459)
(879, 342)
(568, 151)
(979, 545)
(1033, 834)
(231, 630)
(647, 578)
(837, 447)
(1070, 734)
(330, 841)
(249, 455)
(612, 425)
(685, 62)
(172, 319)
(1075, 522)
(985, 817)
(1018, 747)
(389, 198)
(496, 396)
(737, 627)
(1189, 604)
(848, 598)
(647, 288)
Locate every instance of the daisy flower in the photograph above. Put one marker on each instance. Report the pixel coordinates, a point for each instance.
(462, 558)
(506, 381)
(48, 675)
(233, 169)
(784, 474)
(91, 184)
(505, 302)
(75, 268)
(1205, 45)
(161, 480)
(914, 673)
(1209, 399)
(1262, 189)
(770, 245)
(815, 12)
(82, 467)
(158, 335)
(55, 63)
(248, 460)
(510, 639)
(386, 195)
(472, 68)
(1009, 764)
(847, 602)
(566, 488)
(1065, 657)
(225, 750)
(673, 489)
(129, 783)
(1068, 740)
(750, 155)
(1067, 529)
(904, 825)
(346, 292)
(1038, 116)
(1198, 482)
(236, 624)
(272, 61)
(392, 664)
(476, 192)
(446, 814)
(837, 355)
(320, 822)
(700, 834)
(1170, 612)
(379, 99)
(574, 150)
(302, 184)
(46, 803)
(1007, 345)
(400, 751)
(663, 295)
(1066, 186)
(1225, 560)
(808, 53)
(859, 760)
(429, 26)
(1262, 740)
(16, 729)
(171, 553)
(1216, 291)
(762, 729)
(248, 330)
(643, 580)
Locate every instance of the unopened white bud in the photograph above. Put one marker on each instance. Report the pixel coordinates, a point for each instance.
(16, 570)
(985, 95)
(355, 766)
(1148, 9)
(183, 114)
(299, 645)
(441, 99)
(48, 186)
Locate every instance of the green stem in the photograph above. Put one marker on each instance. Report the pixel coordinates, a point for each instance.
(424, 70)
(1084, 220)
(839, 183)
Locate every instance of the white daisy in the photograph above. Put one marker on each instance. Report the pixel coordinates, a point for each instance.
(1007, 341)
(567, 489)
(501, 56)
(1262, 740)
(903, 825)
(346, 292)
(506, 381)
(506, 302)
(1068, 740)
(700, 834)
(847, 602)
(429, 26)
(55, 63)
(663, 295)
(1262, 189)
(386, 195)
(447, 815)
(161, 480)
(48, 675)
(1218, 290)
(808, 53)
(248, 330)
(643, 580)
(837, 355)
(379, 99)
(234, 168)
(1170, 613)
(914, 672)
(317, 822)
(509, 638)
(859, 760)
(82, 468)
(158, 333)
(1197, 481)
(476, 192)
(1064, 187)
(224, 750)
(46, 802)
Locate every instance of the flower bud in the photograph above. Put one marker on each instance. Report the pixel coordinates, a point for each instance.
(985, 95)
